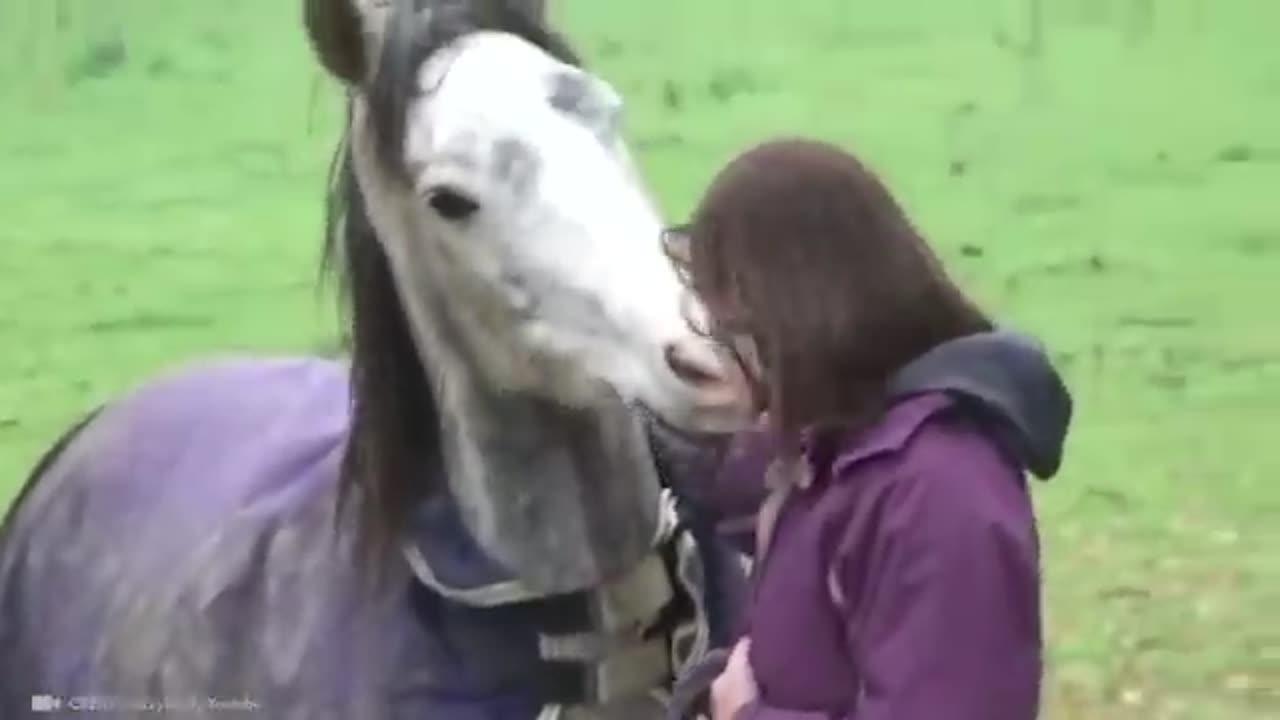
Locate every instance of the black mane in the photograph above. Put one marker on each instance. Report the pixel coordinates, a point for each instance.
(393, 456)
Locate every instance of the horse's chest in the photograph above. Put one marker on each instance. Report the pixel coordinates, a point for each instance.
(607, 652)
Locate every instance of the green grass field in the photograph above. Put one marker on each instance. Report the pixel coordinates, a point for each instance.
(1111, 182)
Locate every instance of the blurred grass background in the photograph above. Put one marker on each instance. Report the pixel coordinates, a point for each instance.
(1103, 172)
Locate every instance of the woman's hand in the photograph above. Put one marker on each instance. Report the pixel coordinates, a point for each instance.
(736, 685)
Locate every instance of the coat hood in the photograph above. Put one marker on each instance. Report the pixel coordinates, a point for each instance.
(1009, 379)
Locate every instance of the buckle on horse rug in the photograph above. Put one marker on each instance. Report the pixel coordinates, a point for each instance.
(626, 654)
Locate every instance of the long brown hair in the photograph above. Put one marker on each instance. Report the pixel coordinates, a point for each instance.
(800, 246)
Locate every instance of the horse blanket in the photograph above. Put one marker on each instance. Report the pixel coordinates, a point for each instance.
(183, 552)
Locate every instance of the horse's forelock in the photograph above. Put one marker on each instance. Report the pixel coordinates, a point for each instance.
(417, 30)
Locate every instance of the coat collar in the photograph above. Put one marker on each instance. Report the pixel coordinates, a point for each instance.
(891, 432)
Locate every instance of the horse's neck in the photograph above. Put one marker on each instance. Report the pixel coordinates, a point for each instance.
(562, 498)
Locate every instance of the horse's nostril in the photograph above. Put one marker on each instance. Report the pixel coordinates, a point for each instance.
(692, 366)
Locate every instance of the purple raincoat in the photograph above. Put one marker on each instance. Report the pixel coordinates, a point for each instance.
(903, 583)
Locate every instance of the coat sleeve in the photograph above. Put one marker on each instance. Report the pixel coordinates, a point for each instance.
(721, 478)
(943, 613)
(737, 489)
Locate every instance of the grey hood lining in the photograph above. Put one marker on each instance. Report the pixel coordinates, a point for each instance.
(1009, 380)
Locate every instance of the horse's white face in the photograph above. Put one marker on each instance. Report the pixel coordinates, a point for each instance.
(527, 226)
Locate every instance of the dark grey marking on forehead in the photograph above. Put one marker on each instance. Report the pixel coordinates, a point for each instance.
(516, 164)
(571, 92)
(584, 98)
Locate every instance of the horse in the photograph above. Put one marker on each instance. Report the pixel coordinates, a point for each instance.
(482, 511)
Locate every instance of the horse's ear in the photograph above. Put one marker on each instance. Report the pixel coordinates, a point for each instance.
(336, 32)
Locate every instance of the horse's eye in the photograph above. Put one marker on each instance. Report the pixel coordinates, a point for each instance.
(452, 204)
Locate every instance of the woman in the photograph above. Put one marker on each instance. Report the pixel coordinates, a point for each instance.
(896, 557)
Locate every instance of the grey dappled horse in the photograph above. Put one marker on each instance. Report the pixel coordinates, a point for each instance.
(473, 519)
